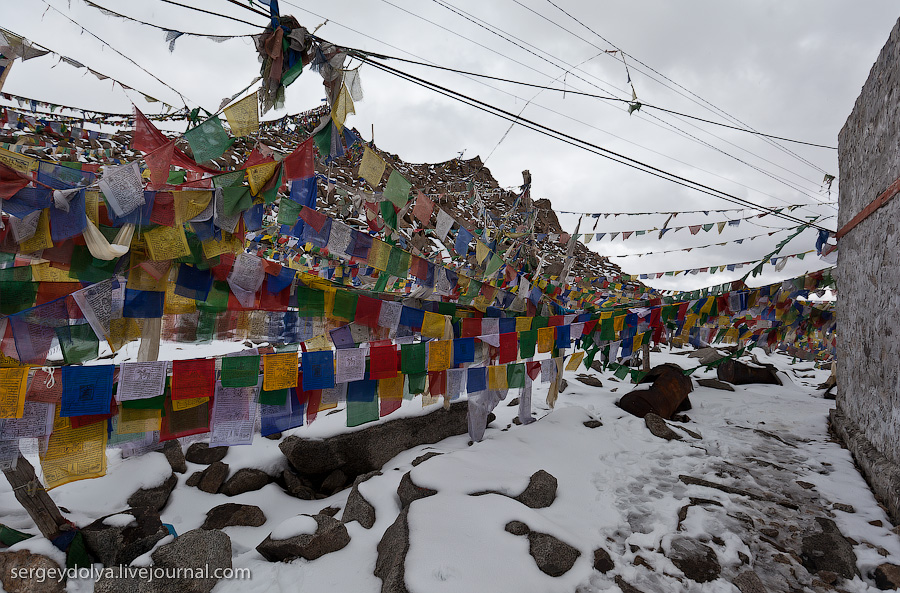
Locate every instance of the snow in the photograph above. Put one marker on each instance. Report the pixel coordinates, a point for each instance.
(619, 489)
(299, 525)
(41, 545)
(120, 520)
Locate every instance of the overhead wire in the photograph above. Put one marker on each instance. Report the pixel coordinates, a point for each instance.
(113, 13)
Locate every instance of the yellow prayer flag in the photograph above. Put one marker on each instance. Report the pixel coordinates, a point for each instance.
(186, 404)
(320, 342)
(391, 389)
(47, 273)
(74, 453)
(545, 337)
(243, 116)
(619, 323)
(41, 238)
(229, 244)
(497, 377)
(439, 353)
(638, 340)
(123, 330)
(13, 382)
(523, 324)
(575, 360)
(133, 421)
(175, 304)
(92, 206)
(433, 325)
(165, 243)
(190, 203)
(22, 163)
(279, 371)
(259, 175)
(371, 168)
(343, 106)
(481, 251)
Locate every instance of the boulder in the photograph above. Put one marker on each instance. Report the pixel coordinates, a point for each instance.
(424, 457)
(517, 528)
(696, 560)
(828, 550)
(194, 479)
(592, 423)
(330, 536)
(590, 380)
(154, 498)
(563, 385)
(707, 355)
(668, 393)
(659, 427)
(367, 450)
(175, 456)
(244, 480)
(887, 576)
(540, 492)
(334, 481)
(23, 560)
(552, 556)
(297, 487)
(741, 373)
(625, 587)
(602, 561)
(203, 454)
(113, 543)
(212, 478)
(749, 582)
(358, 508)
(206, 551)
(715, 384)
(392, 550)
(409, 492)
(231, 514)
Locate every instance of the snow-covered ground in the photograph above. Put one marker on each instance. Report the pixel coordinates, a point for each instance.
(618, 489)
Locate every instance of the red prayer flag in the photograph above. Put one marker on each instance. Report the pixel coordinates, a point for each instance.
(147, 138)
(509, 347)
(471, 327)
(313, 218)
(11, 181)
(384, 362)
(159, 162)
(193, 378)
(367, 311)
(423, 208)
(301, 163)
(437, 383)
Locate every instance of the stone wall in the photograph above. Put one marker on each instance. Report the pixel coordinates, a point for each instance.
(868, 273)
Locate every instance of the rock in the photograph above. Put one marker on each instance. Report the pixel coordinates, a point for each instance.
(244, 480)
(358, 508)
(659, 427)
(330, 511)
(715, 384)
(590, 380)
(625, 587)
(297, 486)
(513, 403)
(154, 498)
(212, 478)
(887, 576)
(392, 550)
(424, 457)
(229, 514)
(23, 560)
(175, 456)
(769, 532)
(274, 436)
(203, 454)
(113, 545)
(805, 485)
(741, 373)
(552, 556)
(206, 551)
(330, 536)
(847, 508)
(828, 550)
(597, 366)
(194, 479)
(706, 355)
(367, 450)
(827, 577)
(334, 481)
(517, 528)
(749, 582)
(540, 492)
(668, 393)
(592, 423)
(563, 385)
(697, 561)
(602, 561)
(409, 492)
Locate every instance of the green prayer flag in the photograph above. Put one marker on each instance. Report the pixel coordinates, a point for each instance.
(412, 358)
(240, 371)
(416, 382)
(209, 140)
(362, 412)
(527, 342)
(388, 213)
(288, 212)
(397, 189)
(621, 372)
(232, 179)
(493, 265)
(345, 304)
(323, 140)
(276, 397)
(79, 343)
(515, 375)
(398, 263)
(236, 199)
(310, 302)
(176, 177)
(148, 403)
(607, 330)
(217, 299)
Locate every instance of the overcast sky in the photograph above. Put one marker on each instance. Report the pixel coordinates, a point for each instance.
(791, 69)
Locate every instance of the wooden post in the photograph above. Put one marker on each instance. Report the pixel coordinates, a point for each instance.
(645, 352)
(31, 495)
